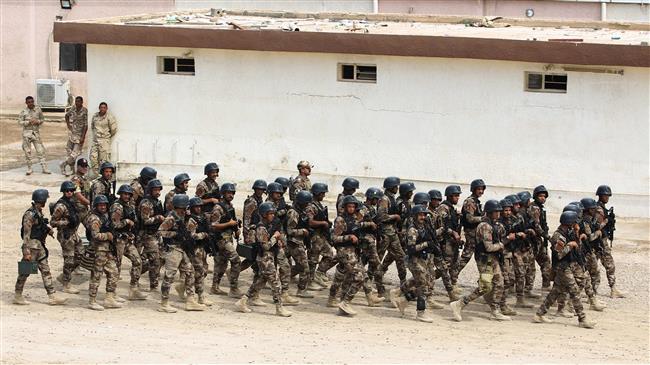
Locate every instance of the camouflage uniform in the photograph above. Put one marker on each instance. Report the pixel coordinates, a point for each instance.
(78, 126)
(104, 128)
(223, 213)
(67, 220)
(349, 270)
(199, 259)
(83, 187)
(472, 215)
(297, 232)
(297, 184)
(34, 232)
(537, 216)
(368, 244)
(32, 135)
(450, 220)
(206, 189)
(150, 213)
(437, 264)
(101, 186)
(168, 199)
(267, 261)
(125, 222)
(250, 217)
(176, 258)
(138, 190)
(605, 255)
(519, 250)
(417, 246)
(281, 258)
(389, 239)
(591, 227)
(100, 239)
(527, 255)
(320, 241)
(404, 209)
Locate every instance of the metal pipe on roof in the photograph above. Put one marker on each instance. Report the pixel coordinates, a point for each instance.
(603, 11)
(375, 6)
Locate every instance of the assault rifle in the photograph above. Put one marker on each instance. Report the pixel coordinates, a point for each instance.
(610, 227)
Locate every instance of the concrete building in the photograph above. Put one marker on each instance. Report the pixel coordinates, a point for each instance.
(433, 103)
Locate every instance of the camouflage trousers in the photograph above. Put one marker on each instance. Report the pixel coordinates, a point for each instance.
(468, 250)
(72, 151)
(100, 152)
(320, 246)
(349, 274)
(591, 265)
(268, 272)
(565, 282)
(521, 264)
(450, 251)
(393, 246)
(177, 260)
(417, 287)
(508, 270)
(284, 268)
(299, 254)
(43, 267)
(200, 266)
(437, 267)
(490, 282)
(583, 281)
(104, 263)
(33, 138)
(72, 250)
(151, 251)
(227, 253)
(126, 246)
(605, 257)
(544, 262)
(369, 255)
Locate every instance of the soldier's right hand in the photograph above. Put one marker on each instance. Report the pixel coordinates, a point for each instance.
(277, 235)
(305, 232)
(511, 237)
(233, 223)
(373, 225)
(130, 223)
(455, 235)
(573, 244)
(396, 217)
(354, 239)
(160, 218)
(110, 236)
(27, 257)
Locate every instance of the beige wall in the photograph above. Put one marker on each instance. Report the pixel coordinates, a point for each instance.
(28, 52)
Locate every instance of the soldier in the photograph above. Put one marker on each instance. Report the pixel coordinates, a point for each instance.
(368, 237)
(420, 242)
(389, 217)
(471, 215)
(297, 233)
(33, 232)
(537, 216)
(607, 221)
(124, 219)
(98, 226)
(208, 189)
(77, 121)
(269, 237)
(511, 239)
(226, 227)
(66, 219)
(104, 127)
(301, 182)
(179, 232)
(436, 264)
(450, 220)
(286, 183)
(150, 216)
(31, 119)
(524, 197)
(404, 208)
(103, 185)
(488, 250)
(201, 248)
(564, 244)
(81, 197)
(138, 184)
(350, 186)
(320, 239)
(520, 247)
(250, 214)
(181, 183)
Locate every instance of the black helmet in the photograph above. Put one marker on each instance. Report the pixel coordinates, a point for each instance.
(100, 199)
(373, 193)
(67, 186)
(406, 187)
(514, 198)
(568, 218)
(180, 201)
(106, 165)
(153, 184)
(181, 178)
(604, 190)
(478, 183)
(319, 188)
(492, 205)
(350, 199)
(452, 190)
(259, 184)
(524, 196)
(304, 197)
(40, 195)
(82, 162)
(265, 208)
(419, 208)
(126, 188)
(421, 198)
(505, 203)
(572, 208)
(391, 182)
(283, 181)
(540, 189)
(211, 166)
(227, 187)
(196, 202)
(588, 203)
(148, 173)
(274, 188)
(435, 194)
(350, 183)
(578, 204)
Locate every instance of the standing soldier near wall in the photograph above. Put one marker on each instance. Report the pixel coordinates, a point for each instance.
(77, 121)
(537, 216)
(104, 127)
(301, 182)
(607, 221)
(66, 219)
(208, 189)
(31, 118)
(471, 215)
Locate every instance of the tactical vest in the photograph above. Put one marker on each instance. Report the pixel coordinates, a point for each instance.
(229, 214)
(127, 213)
(39, 228)
(180, 227)
(453, 221)
(565, 261)
(255, 216)
(480, 245)
(392, 205)
(73, 217)
(157, 210)
(106, 225)
(321, 215)
(351, 228)
(213, 193)
(371, 216)
(423, 236)
(477, 213)
(542, 218)
(108, 191)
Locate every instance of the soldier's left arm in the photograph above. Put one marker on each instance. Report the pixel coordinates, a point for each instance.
(485, 233)
(192, 226)
(112, 125)
(339, 229)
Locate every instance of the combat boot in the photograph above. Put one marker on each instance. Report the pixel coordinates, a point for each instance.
(119, 299)
(320, 279)
(346, 307)
(180, 290)
(19, 299)
(506, 310)
(496, 315)
(203, 299)
(165, 307)
(216, 290)
(235, 293)
(67, 288)
(398, 300)
(256, 302)
(54, 299)
(136, 294)
(313, 286)
(615, 293)
(281, 312)
(431, 303)
(59, 278)
(44, 168)
(302, 293)
(563, 313)
(92, 304)
(111, 302)
(242, 305)
(596, 305)
(288, 299)
(456, 308)
(373, 300)
(457, 290)
(29, 170)
(585, 323)
(192, 305)
(522, 303)
(453, 296)
(62, 166)
(332, 302)
(541, 319)
(530, 294)
(422, 316)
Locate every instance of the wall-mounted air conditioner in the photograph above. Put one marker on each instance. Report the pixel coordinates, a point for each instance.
(52, 93)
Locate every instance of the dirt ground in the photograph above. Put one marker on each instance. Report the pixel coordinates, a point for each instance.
(138, 333)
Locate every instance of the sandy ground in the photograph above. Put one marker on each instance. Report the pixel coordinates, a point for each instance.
(138, 333)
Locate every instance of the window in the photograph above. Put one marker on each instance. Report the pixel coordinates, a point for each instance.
(358, 73)
(176, 66)
(543, 82)
(72, 57)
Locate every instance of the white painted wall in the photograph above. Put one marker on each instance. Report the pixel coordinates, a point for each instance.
(629, 12)
(354, 6)
(430, 120)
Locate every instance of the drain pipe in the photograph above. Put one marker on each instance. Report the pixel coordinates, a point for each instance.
(603, 11)
(375, 6)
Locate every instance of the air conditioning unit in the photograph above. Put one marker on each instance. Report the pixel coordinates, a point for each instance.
(52, 93)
